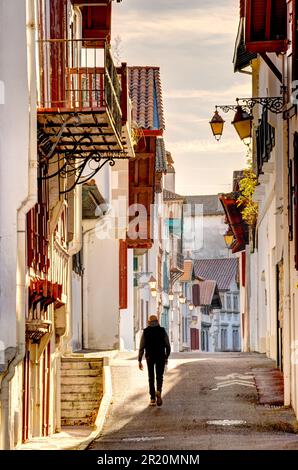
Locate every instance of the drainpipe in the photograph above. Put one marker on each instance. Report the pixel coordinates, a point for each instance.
(27, 204)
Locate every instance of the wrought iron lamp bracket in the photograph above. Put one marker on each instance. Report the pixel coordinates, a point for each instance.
(274, 104)
(82, 168)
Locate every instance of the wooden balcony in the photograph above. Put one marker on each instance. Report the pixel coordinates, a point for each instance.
(82, 98)
(176, 266)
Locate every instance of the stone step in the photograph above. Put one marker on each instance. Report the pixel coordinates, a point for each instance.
(81, 372)
(77, 422)
(78, 414)
(81, 365)
(82, 397)
(84, 380)
(78, 405)
(71, 388)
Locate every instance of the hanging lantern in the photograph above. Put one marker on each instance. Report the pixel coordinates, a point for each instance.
(182, 299)
(154, 293)
(242, 123)
(191, 307)
(171, 296)
(217, 125)
(152, 282)
(229, 238)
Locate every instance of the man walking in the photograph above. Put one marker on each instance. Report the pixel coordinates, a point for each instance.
(155, 343)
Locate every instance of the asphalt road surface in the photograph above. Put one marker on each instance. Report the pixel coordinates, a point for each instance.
(210, 403)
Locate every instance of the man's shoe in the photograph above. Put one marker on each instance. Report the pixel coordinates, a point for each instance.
(152, 403)
(158, 399)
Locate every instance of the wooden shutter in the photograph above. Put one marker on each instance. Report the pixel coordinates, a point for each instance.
(122, 274)
(196, 295)
(96, 23)
(266, 26)
(141, 191)
(296, 198)
(243, 269)
(58, 52)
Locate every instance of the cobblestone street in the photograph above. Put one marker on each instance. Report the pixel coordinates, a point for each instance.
(210, 402)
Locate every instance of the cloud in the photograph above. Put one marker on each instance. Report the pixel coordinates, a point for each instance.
(192, 41)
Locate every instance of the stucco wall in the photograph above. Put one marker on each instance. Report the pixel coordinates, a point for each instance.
(208, 234)
(14, 155)
(101, 292)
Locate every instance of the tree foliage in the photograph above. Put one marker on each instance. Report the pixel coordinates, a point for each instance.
(247, 186)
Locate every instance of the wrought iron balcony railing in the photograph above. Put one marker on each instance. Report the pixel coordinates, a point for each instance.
(77, 78)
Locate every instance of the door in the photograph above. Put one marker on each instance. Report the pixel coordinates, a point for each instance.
(26, 397)
(194, 339)
(280, 314)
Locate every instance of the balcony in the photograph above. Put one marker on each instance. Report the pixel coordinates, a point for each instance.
(83, 101)
(176, 266)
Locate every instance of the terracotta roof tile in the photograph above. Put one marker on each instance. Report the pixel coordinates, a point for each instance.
(160, 161)
(146, 94)
(170, 196)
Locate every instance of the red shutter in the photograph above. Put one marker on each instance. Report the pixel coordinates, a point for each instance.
(58, 51)
(122, 274)
(266, 26)
(196, 295)
(243, 269)
(141, 191)
(96, 23)
(296, 198)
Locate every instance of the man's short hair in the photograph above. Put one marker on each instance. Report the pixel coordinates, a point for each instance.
(152, 318)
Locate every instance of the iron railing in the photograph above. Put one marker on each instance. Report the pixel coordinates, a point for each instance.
(73, 77)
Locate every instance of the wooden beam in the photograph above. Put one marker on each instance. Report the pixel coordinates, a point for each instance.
(272, 66)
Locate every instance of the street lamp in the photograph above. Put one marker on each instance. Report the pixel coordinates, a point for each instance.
(171, 296)
(191, 307)
(154, 293)
(242, 123)
(182, 299)
(229, 238)
(243, 117)
(217, 125)
(152, 282)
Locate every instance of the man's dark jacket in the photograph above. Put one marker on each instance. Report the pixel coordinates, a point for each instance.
(155, 343)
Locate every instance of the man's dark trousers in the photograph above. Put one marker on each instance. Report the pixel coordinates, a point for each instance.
(155, 366)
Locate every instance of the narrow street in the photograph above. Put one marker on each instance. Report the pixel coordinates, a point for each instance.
(193, 396)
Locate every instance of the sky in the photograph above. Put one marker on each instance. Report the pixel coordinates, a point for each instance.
(192, 41)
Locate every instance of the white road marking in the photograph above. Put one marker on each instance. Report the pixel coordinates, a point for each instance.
(142, 439)
(227, 422)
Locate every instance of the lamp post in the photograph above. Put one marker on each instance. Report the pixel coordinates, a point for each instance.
(243, 118)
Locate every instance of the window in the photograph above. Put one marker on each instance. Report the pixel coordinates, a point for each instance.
(205, 340)
(236, 342)
(222, 298)
(224, 339)
(265, 138)
(229, 303)
(165, 319)
(184, 330)
(174, 226)
(236, 303)
(142, 315)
